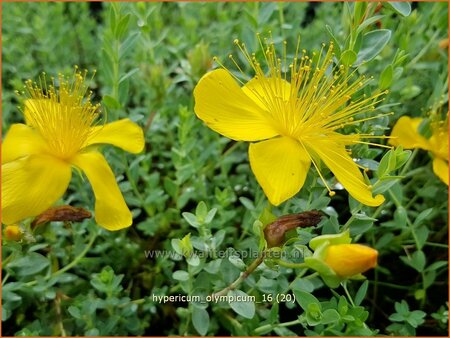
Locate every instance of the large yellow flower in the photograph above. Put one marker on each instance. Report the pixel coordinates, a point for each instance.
(62, 132)
(406, 133)
(295, 111)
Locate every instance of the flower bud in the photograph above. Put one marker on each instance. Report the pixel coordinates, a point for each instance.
(13, 232)
(348, 260)
(443, 44)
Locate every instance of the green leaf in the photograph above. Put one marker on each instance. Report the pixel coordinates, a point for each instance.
(180, 275)
(111, 102)
(330, 316)
(416, 261)
(422, 216)
(437, 265)
(127, 45)
(361, 294)
(200, 320)
(373, 43)
(348, 57)
(191, 219)
(193, 260)
(237, 262)
(422, 236)
(368, 22)
(401, 308)
(122, 27)
(402, 8)
(127, 75)
(304, 299)
(209, 217)
(30, 264)
(201, 212)
(240, 304)
(386, 77)
(337, 48)
(359, 11)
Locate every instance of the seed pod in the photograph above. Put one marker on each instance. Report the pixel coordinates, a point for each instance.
(64, 213)
(275, 231)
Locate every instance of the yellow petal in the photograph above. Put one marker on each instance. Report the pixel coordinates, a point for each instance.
(124, 134)
(346, 171)
(259, 89)
(31, 185)
(348, 260)
(280, 166)
(21, 141)
(111, 211)
(440, 168)
(405, 133)
(438, 143)
(226, 109)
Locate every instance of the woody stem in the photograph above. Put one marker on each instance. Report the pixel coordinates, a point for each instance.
(242, 277)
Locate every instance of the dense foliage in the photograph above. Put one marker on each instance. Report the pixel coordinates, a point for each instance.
(79, 279)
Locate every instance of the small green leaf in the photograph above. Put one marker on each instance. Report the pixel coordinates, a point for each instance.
(330, 316)
(111, 102)
(361, 294)
(200, 320)
(180, 275)
(386, 77)
(127, 75)
(209, 217)
(348, 57)
(191, 219)
(337, 48)
(201, 212)
(422, 236)
(193, 260)
(402, 8)
(30, 264)
(373, 43)
(237, 262)
(122, 27)
(241, 305)
(417, 260)
(304, 299)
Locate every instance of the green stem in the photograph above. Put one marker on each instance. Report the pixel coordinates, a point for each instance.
(390, 285)
(71, 264)
(344, 285)
(5, 279)
(290, 265)
(134, 187)
(263, 328)
(416, 240)
(242, 277)
(281, 14)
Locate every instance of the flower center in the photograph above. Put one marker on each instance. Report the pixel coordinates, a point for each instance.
(63, 116)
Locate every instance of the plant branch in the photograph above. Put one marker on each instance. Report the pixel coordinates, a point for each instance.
(242, 277)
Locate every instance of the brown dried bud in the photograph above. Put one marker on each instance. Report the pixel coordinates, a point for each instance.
(275, 231)
(65, 213)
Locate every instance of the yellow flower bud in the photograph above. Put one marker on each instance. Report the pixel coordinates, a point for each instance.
(443, 44)
(348, 260)
(13, 232)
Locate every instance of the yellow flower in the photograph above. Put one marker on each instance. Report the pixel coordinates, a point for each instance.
(406, 133)
(294, 111)
(348, 260)
(13, 232)
(62, 132)
(336, 259)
